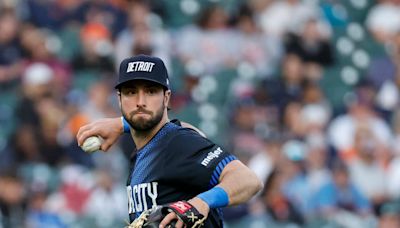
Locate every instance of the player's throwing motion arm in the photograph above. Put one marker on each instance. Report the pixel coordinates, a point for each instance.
(237, 184)
(110, 129)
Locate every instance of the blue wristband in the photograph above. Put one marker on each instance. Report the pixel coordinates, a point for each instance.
(125, 123)
(215, 197)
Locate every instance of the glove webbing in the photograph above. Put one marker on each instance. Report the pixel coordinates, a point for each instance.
(139, 222)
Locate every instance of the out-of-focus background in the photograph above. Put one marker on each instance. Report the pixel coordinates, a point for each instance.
(304, 92)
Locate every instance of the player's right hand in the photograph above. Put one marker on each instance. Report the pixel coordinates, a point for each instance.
(107, 128)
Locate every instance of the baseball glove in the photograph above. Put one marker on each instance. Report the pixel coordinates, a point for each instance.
(184, 211)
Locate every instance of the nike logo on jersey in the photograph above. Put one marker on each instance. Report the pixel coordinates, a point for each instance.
(140, 66)
(211, 156)
(138, 195)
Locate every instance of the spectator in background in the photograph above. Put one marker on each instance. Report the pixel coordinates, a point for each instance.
(339, 194)
(279, 209)
(260, 50)
(37, 82)
(288, 86)
(95, 55)
(308, 115)
(10, 49)
(98, 104)
(280, 17)
(292, 123)
(35, 43)
(46, 13)
(314, 96)
(276, 209)
(39, 115)
(12, 196)
(255, 118)
(365, 171)
(316, 164)
(383, 20)
(312, 46)
(393, 176)
(264, 162)
(38, 215)
(144, 35)
(184, 94)
(103, 12)
(74, 190)
(25, 147)
(247, 117)
(214, 49)
(295, 185)
(24, 142)
(384, 73)
(385, 67)
(315, 117)
(107, 196)
(342, 129)
(389, 215)
(395, 54)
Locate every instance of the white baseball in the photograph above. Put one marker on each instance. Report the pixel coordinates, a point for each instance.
(91, 144)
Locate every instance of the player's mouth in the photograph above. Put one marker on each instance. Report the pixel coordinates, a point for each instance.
(141, 114)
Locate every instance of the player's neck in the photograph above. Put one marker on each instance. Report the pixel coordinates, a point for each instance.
(141, 138)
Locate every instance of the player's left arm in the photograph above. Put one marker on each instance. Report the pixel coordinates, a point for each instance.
(238, 181)
(237, 184)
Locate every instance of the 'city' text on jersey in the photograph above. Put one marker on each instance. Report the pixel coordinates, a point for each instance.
(138, 195)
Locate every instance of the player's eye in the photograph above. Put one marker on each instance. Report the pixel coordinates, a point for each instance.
(151, 91)
(129, 92)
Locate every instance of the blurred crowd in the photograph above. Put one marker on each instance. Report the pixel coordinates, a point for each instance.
(305, 92)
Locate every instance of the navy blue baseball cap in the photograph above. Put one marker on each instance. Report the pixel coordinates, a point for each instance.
(143, 67)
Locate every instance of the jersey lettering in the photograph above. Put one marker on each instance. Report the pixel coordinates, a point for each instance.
(211, 156)
(152, 193)
(137, 199)
(138, 196)
(131, 205)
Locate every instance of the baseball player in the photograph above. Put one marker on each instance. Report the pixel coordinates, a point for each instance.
(174, 166)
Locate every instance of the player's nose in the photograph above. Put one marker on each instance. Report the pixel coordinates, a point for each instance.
(141, 99)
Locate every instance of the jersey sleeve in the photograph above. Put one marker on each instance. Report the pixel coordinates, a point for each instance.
(195, 161)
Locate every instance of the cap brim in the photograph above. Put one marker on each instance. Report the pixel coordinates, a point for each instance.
(140, 78)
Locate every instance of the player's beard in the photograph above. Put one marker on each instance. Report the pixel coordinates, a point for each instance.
(141, 124)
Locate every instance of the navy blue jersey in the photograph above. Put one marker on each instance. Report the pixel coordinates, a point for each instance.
(176, 164)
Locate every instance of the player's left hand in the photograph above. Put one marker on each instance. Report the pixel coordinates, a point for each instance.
(198, 204)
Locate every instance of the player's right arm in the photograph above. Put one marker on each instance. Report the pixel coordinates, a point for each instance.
(110, 129)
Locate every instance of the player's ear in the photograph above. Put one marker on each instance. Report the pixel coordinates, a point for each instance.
(119, 98)
(167, 97)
